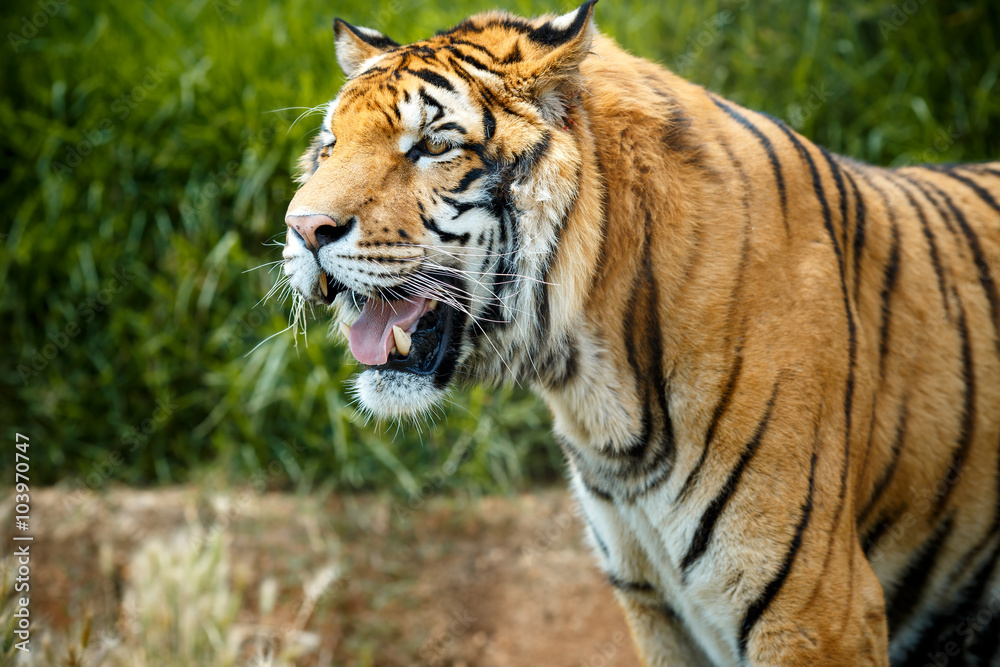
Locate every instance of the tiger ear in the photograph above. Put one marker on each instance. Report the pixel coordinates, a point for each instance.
(355, 45)
(569, 38)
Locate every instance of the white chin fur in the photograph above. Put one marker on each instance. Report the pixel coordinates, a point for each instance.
(394, 394)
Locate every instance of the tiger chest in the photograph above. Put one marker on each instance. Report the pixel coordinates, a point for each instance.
(639, 546)
(638, 532)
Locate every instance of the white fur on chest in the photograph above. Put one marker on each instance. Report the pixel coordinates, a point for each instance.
(645, 546)
(644, 541)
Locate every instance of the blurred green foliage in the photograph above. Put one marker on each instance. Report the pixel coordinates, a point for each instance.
(148, 151)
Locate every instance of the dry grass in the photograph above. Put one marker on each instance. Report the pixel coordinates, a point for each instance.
(180, 607)
(184, 576)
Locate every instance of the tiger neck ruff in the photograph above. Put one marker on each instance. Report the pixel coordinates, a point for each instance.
(774, 371)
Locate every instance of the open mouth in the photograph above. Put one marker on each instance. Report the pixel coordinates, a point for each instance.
(412, 334)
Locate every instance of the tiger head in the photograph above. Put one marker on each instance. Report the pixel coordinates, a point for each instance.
(433, 199)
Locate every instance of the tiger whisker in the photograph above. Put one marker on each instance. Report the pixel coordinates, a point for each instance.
(307, 112)
(261, 266)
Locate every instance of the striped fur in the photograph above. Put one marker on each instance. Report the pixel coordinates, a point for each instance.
(775, 372)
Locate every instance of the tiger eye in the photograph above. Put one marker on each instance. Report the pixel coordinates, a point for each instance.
(434, 147)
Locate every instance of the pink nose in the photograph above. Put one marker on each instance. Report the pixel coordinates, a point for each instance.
(317, 229)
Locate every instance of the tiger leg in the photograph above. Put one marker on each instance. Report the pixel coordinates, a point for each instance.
(836, 616)
(659, 637)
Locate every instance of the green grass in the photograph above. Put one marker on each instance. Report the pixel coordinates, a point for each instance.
(149, 140)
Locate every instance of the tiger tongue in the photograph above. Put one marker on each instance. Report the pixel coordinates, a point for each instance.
(371, 333)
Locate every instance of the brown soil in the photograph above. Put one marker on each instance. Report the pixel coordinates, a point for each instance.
(446, 581)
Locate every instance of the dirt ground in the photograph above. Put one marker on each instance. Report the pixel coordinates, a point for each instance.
(439, 581)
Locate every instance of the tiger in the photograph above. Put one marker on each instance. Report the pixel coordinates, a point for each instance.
(774, 371)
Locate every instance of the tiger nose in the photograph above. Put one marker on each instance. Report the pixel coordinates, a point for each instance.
(317, 229)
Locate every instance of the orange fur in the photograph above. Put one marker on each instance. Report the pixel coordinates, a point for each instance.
(762, 359)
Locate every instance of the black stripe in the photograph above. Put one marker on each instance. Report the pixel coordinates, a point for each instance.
(986, 645)
(446, 237)
(474, 85)
(444, 127)
(851, 327)
(771, 591)
(670, 613)
(943, 627)
(981, 192)
(431, 102)
(720, 409)
(633, 339)
(661, 465)
(475, 62)
(461, 208)
(570, 363)
(982, 266)
(734, 372)
(467, 180)
(489, 124)
(630, 586)
(370, 72)
(378, 41)
(526, 162)
(860, 219)
(838, 180)
(703, 534)
(972, 554)
(388, 118)
(547, 35)
(474, 45)
(890, 468)
(870, 539)
(503, 210)
(967, 428)
(677, 138)
(982, 169)
(502, 21)
(772, 156)
(432, 78)
(907, 594)
(995, 526)
(601, 544)
(544, 315)
(890, 273)
(513, 56)
(920, 186)
(598, 493)
(501, 206)
(932, 246)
